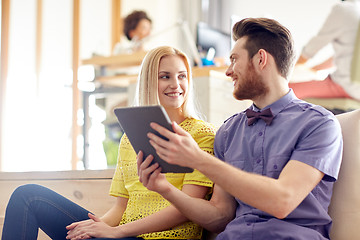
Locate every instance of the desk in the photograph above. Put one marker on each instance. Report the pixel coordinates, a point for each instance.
(118, 61)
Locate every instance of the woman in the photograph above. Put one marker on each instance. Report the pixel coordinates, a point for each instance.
(137, 26)
(165, 79)
(340, 30)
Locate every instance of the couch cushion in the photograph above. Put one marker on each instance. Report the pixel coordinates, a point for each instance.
(335, 103)
(345, 202)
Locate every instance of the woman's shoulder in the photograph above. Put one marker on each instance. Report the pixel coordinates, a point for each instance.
(197, 126)
(124, 141)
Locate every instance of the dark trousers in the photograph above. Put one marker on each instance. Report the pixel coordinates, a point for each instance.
(33, 206)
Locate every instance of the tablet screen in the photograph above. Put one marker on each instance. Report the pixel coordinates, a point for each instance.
(135, 121)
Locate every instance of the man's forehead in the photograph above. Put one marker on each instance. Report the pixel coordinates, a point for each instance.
(238, 46)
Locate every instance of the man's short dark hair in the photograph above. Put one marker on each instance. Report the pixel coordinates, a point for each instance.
(132, 20)
(270, 35)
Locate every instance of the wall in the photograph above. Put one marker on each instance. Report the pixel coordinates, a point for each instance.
(37, 116)
(95, 29)
(303, 18)
(37, 123)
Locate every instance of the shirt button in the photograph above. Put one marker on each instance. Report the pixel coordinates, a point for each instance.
(258, 161)
(260, 134)
(275, 166)
(248, 224)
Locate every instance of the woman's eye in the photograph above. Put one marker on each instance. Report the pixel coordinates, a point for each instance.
(164, 77)
(182, 76)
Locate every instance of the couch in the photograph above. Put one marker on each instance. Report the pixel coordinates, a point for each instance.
(345, 202)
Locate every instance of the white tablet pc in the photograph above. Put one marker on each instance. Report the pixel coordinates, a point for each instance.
(135, 121)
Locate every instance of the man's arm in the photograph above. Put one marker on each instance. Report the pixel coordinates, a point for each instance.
(213, 215)
(278, 197)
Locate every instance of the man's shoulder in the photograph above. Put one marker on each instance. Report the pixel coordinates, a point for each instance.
(232, 123)
(309, 108)
(234, 117)
(309, 114)
(317, 109)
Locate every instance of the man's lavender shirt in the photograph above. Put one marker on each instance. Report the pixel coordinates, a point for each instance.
(299, 131)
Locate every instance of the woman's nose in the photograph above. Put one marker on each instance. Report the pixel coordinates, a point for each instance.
(174, 83)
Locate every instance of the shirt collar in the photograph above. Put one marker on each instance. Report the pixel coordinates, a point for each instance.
(280, 104)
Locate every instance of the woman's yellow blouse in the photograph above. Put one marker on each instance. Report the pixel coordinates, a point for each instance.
(141, 201)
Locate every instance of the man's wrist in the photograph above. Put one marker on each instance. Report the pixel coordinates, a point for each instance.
(169, 192)
(201, 160)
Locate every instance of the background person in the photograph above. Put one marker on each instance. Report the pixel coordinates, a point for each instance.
(137, 26)
(340, 30)
(275, 163)
(165, 79)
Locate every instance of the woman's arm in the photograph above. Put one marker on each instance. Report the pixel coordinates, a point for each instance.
(328, 63)
(159, 221)
(114, 215)
(164, 219)
(111, 218)
(302, 60)
(213, 215)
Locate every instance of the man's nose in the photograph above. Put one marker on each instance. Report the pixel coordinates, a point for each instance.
(229, 71)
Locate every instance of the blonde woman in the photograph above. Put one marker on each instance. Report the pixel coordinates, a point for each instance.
(138, 213)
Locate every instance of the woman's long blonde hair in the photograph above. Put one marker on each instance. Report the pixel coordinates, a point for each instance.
(147, 85)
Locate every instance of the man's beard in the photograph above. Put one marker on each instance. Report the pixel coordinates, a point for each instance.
(250, 86)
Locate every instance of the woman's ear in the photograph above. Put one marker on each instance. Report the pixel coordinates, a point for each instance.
(132, 34)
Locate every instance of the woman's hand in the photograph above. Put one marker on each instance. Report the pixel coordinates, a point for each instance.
(93, 227)
(150, 174)
(302, 60)
(180, 149)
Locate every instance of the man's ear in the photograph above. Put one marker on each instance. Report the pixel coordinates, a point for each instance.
(261, 58)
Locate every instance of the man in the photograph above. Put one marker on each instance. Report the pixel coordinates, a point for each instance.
(278, 167)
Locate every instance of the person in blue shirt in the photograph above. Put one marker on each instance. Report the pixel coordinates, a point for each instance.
(275, 163)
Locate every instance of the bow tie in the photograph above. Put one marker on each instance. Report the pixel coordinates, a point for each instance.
(265, 115)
